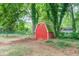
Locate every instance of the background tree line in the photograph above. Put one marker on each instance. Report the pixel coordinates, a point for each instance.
(57, 15)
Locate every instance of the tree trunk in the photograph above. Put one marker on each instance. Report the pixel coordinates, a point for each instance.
(73, 19)
(54, 19)
(34, 18)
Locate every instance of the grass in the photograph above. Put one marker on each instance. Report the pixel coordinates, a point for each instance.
(23, 50)
(62, 43)
(12, 37)
(16, 50)
(20, 50)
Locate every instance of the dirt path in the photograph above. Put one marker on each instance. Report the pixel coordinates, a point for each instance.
(39, 49)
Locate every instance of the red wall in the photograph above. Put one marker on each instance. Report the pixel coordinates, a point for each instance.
(51, 35)
(42, 32)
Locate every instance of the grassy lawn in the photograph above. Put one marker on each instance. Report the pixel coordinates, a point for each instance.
(62, 43)
(13, 50)
(16, 50)
(12, 37)
(24, 49)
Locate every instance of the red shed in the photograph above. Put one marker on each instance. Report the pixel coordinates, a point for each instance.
(42, 32)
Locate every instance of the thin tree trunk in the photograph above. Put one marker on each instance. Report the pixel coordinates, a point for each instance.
(73, 20)
(64, 9)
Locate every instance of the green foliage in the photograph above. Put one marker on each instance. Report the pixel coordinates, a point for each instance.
(55, 15)
(10, 17)
(57, 12)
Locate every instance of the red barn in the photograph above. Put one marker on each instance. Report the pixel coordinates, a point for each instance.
(42, 32)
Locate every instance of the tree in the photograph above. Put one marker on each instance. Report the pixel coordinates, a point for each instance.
(57, 12)
(10, 14)
(34, 16)
(73, 19)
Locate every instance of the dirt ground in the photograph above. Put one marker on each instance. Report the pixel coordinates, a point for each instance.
(39, 49)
